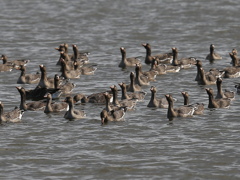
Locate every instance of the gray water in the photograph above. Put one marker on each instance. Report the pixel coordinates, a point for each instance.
(146, 145)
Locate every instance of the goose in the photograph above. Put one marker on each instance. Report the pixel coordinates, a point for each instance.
(234, 51)
(183, 62)
(182, 111)
(140, 95)
(98, 98)
(214, 71)
(63, 47)
(130, 104)
(206, 78)
(69, 62)
(32, 106)
(73, 113)
(234, 54)
(232, 72)
(221, 94)
(27, 78)
(39, 92)
(111, 106)
(141, 79)
(163, 58)
(45, 82)
(6, 67)
(79, 56)
(213, 55)
(112, 115)
(199, 107)
(64, 88)
(159, 68)
(79, 98)
(163, 68)
(125, 62)
(133, 87)
(54, 107)
(69, 74)
(151, 74)
(14, 115)
(15, 62)
(235, 59)
(63, 50)
(217, 103)
(85, 69)
(157, 102)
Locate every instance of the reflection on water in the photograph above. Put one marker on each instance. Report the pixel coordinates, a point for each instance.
(145, 145)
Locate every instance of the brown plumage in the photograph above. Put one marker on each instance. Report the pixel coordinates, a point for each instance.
(217, 103)
(157, 102)
(125, 62)
(213, 55)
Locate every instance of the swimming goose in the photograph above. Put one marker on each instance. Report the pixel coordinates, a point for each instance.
(232, 72)
(54, 107)
(182, 111)
(140, 95)
(39, 92)
(157, 102)
(235, 52)
(14, 115)
(85, 69)
(163, 68)
(183, 62)
(217, 103)
(220, 94)
(15, 62)
(98, 98)
(79, 98)
(6, 67)
(32, 106)
(66, 87)
(235, 55)
(45, 82)
(125, 62)
(112, 115)
(27, 78)
(199, 107)
(133, 87)
(163, 58)
(69, 62)
(82, 58)
(141, 79)
(73, 113)
(63, 49)
(213, 55)
(130, 104)
(69, 74)
(214, 71)
(206, 78)
(151, 74)
(110, 106)
(66, 57)
(235, 59)
(159, 68)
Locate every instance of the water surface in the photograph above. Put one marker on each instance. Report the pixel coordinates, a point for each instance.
(146, 145)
